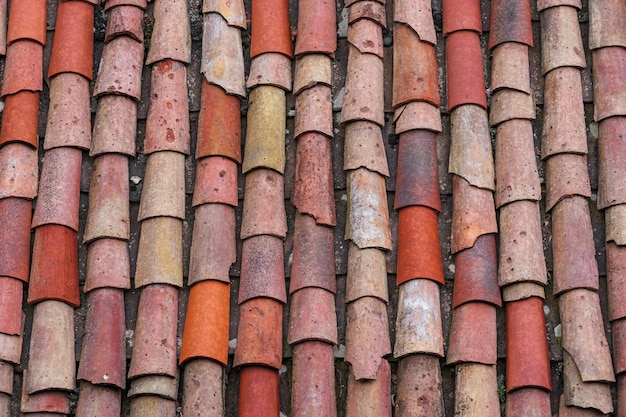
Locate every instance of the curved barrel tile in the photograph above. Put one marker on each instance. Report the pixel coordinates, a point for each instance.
(609, 82)
(312, 317)
(11, 312)
(313, 388)
(510, 22)
(546, 4)
(6, 379)
(162, 385)
(264, 205)
(152, 405)
(615, 219)
(216, 181)
(510, 105)
(259, 325)
(206, 322)
(582, 394)
(528, 402)
(15, 218)
(271, 31)
(11, 346)
(271, 69)
(464, 70)
(317, 30)
(44, 402)
(20, 118)
(125, 21)
(472, 335)
(163, 192)
(605, 19)
(372, 10)
(108, 265)
(171, 35)
(202, 389)
(314, 112)
(475, 278)
(561, 41)
(311, 70)
(566, 176)
(120, 66)
(418, 16)
(461, 15)
(616, 279)
(100, 400)
(262, 269)
(109, 4)
(367, 272)
(364, 148)
(417, 115)
(419, 387)
(160, 257)
(27, 20)
(18, 171)
(366, 36)
(370, 398)
(472, 399)
(522, 291)
(618, 332)
(509, 68)
(23, 69)
(611, 151)
(233, 11)
(115, 126)
(258, 390)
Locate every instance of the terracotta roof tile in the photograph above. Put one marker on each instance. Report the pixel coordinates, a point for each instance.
(124, 21)
(510, 22)
(54, 270)
(459, 15)
(259, 336)
(3, 51)
(163, 192)
(473, 214)
(472, 335)
(475, 278)
(313, 187)
(528, 402)
(351, 2)
(417, 115)
(265, 137)
(18, 171)
(317, 24)
(605, 19)
(621, 388)
(522, 290)
(618, 331)
(419, 386)
(615, 218)
(27, 21)
(509, 104)
(616, 278)
(115, 126)
(464, 70)
(314, 112)
(11, 345)
(15, 216)
(108, 214)
(470, 149)
(11, 301)
(312, 316)
(566, 176)
(366, 274)
(418, 16)
(366, 36)
(219, 124)
(418, 323)
(509, 67)
(72, 50)
(258, 390)
(59, 188)
(419, 254)
(561, 41)
(202, 388)
(23, 69)
(594, 395)
(367, 337)
(611, 149)
(311, 70)
(44, 402)
(6, 378)
(313, 388)
(109, 4)
(471, 397)
(20, 118)
(108, 265)
(233, 11)
(521, 244)
(213, 248)
(171, 35)
(609, 82)
(583, 335)
(51, 362)
(270, 28)
(545, 4)
(415, 76)
(417, 180)
(104, 400)
(206, 322)
(564, 117)
(372, 10)
(119, 71)
(160, 257)
(262, 269)
(370, 397)
(264, 206)
(103, 355)
(313, 263)
(222, 54)
(152, 405)
(154, 342)
(516, 165)
(364, 148)
(162, 385)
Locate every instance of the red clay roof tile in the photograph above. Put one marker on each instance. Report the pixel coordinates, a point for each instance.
(372, 10)
(419, 254)
(6, 379)
(561, 41)
(202, 388)
(213, 248)
(103, 355)
(615, 218)
(51, 361)
(44, 402)
(108, 265)
(120, 68)
(3, 51)
(271, 69)
(475, 278)
(310, 70)
(59, 188)
(313, 386)
(20, 118)
(366, 274)
(605, 19)
(160, 257)
(27, 20)
(510, 22)
(72, 50)
(521, 244)
(314, 113)
(611, 150)
(206, 322)
(609, 82)
(152, 405)
(471, 396)
(509, 104)
(545, 4)
(616, 278)
(100, 400)
(461, 15)
(566, 175)
(313, 187)
(418, 16)
(124, 21)
(233, 11)
(222, 55)
(109, 4)
(364, 148)
(162, 385)
(270, 28)
(415, 76)
(473, 334)
(510, 67)
(115, 126)
(18, 171)
(264, 205)
(370, 397)
(417, 115)
(219, 124)
(366, 36)
(54, 270)
(351, 2)
(317, 24)
(11, 301)
(11, 345)
(258, 390)
(154, 342)
(262, 269)
(259, 334)
(15, 217)
(418, 323)
(419, 387)
(464, 70)
(522, 290)
(312, 316)
(367, 337)
(171, 35)
(163, 192)
(618, 332)
(578, 393)
(516, 165)
(313, 263)
(528, 402)
(23, 68)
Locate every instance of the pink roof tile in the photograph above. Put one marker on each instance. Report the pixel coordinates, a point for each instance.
(262, 269)
(417, 115)
(272, 69)
(370, 397)
(15, 215)
(171, 35)
(44, 402)
(364, 148)
(510, 22)
(363, 94)
(528, 402)
(259, 326)
(609, 82)
(566, 176)
(419, 381)
(104, 400)
(461, 15)
(119, 71)
(264, 207)
(366, 274)
(464, 70)
(313, 388)
(509, 67)
(366, 36)
(616, 279)
(23, 69)
(611, 150)
(418, 16)
(312, 316)
(124, 21)
(202, 388)
(561, 41)
(108, 265)
(11, 346)
(11, 302)
(472, 335)
(18, 171)
(605, 19)
(109, 4)
(6, 378)
(314, 112)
